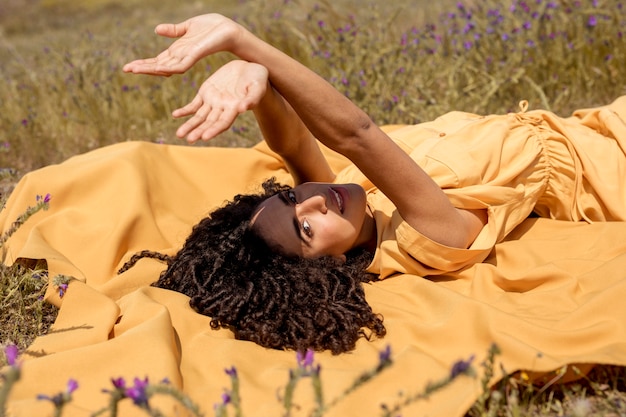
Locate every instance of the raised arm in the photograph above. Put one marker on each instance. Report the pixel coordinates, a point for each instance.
(239, 86)
(287, 135)
(330, 117)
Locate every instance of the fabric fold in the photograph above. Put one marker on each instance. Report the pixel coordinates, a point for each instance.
(550, 293)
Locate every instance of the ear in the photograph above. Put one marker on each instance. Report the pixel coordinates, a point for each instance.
(341, 258)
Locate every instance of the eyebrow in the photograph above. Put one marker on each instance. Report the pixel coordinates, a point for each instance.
(295, 222)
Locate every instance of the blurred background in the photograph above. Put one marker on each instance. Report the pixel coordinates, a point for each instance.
(62, 91)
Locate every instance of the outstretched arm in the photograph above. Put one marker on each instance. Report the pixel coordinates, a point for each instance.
(330, 117)
(239, 86)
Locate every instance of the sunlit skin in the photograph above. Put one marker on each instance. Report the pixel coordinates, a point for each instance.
(293, 119)
(317, 219)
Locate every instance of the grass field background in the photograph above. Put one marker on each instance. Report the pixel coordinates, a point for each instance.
(62, 92)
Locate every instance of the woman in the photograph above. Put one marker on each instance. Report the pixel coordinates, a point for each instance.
(434, 199)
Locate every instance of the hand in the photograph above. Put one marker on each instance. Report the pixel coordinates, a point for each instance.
(199, 37)
(233, 89)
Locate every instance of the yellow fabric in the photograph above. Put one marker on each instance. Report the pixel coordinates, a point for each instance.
(551, 293)
(561, 168)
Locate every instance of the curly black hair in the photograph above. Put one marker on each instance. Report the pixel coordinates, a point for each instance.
(274, 300)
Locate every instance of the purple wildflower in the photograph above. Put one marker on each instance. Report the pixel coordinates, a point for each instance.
(226, 398)
(62, 289)
(11, 352)
(57, 400)
(72, 385)
(138, 392)
(119, 383)
(60, 399)
(593, 20)
(461, 367)
(385, 355)
(403, 39)
(232, 372)
(305, 360)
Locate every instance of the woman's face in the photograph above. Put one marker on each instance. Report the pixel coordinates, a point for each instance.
(316, 219)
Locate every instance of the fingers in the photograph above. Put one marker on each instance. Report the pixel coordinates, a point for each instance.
(171, 30)
(207, 123)
(201, 116)
(164, 64)
(189, 108)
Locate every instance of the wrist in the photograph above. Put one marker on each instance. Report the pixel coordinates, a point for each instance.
(245, 44)
(238, 39)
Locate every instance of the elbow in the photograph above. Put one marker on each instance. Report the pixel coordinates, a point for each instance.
(472, 223)
(356, 135)
(362, 127)
(458, 230)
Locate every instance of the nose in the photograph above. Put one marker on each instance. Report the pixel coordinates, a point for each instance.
(314, 203)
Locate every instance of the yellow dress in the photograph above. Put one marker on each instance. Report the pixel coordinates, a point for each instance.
(512, 165)
(549, 293)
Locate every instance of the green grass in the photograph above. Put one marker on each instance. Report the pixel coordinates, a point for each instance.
(62, 92)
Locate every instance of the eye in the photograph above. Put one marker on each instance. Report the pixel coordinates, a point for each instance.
(306, 227)
(292, 196)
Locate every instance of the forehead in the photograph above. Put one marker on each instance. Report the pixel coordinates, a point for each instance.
(276, 222)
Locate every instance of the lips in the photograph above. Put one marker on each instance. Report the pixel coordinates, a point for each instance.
(338, 197)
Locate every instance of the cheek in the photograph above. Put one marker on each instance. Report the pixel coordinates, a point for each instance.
(337, 228)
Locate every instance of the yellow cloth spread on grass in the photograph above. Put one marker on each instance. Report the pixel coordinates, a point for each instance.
(551, 293)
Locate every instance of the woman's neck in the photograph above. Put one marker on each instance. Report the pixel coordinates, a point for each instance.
(368, 237)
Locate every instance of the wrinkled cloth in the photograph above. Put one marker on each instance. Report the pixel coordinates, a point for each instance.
(512, 165)
(549, 293)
